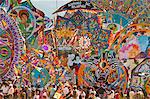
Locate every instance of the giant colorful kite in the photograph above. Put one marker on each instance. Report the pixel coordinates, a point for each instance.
(105, 41)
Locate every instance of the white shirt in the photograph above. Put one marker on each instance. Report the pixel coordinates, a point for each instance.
(65, 90)
(112, 95)
(5, 89)
(78, 93)
(36, 97)
(11, 91)
(83, 95)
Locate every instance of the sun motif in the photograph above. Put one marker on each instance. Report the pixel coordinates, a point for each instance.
(84, 42)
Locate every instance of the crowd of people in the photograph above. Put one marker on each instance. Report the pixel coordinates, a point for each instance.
(65, 90)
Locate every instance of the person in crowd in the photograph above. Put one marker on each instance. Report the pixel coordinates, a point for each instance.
(53, 88)
(58, 93)
(37, 94)
(11, 91)
(91, 95)
(64, 90)
(5, 89)
(111, 95)
(29, 93)
(131, 94)
(83, 94)
(43, 94)
(1, 94)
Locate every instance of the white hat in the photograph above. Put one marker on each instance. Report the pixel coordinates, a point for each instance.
(11, 85)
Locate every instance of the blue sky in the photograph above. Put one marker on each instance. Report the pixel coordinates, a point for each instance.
(48, 6)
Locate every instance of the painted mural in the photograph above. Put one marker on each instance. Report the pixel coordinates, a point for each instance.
(96, 42)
